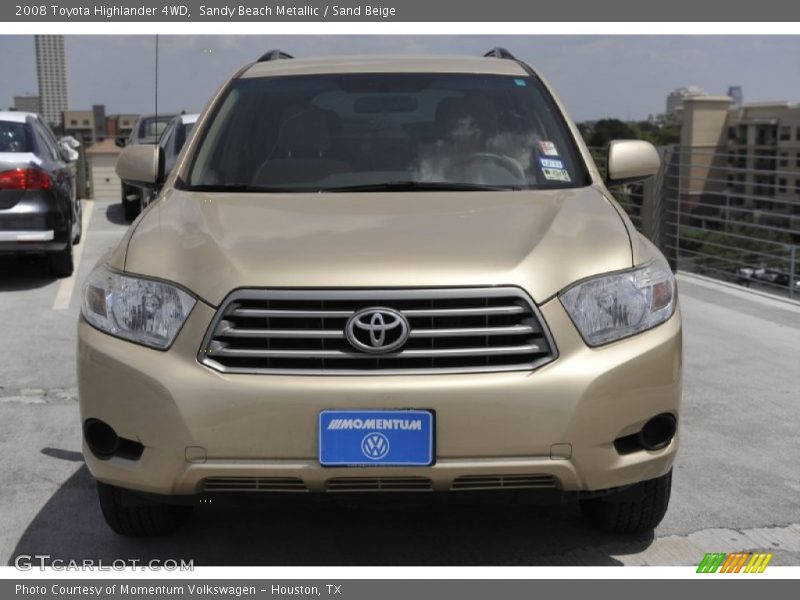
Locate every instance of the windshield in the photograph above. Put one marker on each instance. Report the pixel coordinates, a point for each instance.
(386, 131)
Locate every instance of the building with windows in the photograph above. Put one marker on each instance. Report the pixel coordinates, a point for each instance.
(27, 103)
(737, 95)
(121, 126)
(80, 124)
(51, 73)
(676, 98)
(740, 163)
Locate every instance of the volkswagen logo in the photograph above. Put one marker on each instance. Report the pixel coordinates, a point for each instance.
(377, 330)
(375, 446)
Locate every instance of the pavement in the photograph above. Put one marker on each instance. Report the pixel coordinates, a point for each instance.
(736, 480)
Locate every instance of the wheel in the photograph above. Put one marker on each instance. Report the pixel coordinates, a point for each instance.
(139, 518)
(61, 262)
(637, 509)
(132, 209)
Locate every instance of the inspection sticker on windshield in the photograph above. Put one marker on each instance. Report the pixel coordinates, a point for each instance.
(556, 174)
(551, 163)
(548, 148)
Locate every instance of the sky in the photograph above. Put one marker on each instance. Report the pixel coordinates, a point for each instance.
(626, 77)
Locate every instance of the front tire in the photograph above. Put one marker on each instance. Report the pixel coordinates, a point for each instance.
(139, 519)
(637, 509)
(131, 209)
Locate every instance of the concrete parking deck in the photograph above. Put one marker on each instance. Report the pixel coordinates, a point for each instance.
(736, 484)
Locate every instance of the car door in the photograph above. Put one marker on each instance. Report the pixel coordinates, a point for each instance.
(60, 170)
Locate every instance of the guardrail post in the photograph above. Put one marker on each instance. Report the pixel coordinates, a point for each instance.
(792, 272)
(81, 172)
(665, 228)
(649, 219)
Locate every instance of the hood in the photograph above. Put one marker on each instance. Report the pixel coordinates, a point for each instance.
(539, 240)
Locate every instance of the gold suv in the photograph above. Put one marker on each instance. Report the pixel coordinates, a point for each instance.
(381, 274)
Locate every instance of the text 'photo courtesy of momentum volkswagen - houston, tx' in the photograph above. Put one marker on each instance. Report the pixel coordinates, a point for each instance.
(381, 274)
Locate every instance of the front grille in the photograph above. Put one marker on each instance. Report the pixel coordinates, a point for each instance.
(303, 332)
(254, 484)
(378, 484)
(498, 482)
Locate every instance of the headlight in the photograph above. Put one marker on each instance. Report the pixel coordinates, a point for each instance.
(140, 310)
(611, 307)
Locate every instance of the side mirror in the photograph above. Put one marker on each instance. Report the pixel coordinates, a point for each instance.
(68, 153)
(141, 164)
(70, 141)
(121, 142)
(630, 160)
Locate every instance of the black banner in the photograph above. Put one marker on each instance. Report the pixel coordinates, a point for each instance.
(145, 11)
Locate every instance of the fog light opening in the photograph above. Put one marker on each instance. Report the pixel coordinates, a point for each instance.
(100, 437)
(658, 432)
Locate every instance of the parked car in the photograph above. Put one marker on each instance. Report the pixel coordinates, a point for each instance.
(172, 140)
(382, 275)
(771, 276)
(148, 130)
(40, 212)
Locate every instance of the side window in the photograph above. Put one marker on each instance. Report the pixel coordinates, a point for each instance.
(167, 142)
(46, 142)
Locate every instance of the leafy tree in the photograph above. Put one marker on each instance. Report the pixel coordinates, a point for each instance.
(603, 131)
(606, 130)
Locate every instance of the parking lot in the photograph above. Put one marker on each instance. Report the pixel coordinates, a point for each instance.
(736, 484)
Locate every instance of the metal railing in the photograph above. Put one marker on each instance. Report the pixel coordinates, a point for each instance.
(735, 223)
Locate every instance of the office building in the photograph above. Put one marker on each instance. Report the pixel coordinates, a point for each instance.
(740, 163)
(51, 72)
(27, 103)
(676, 98)
(736, 95)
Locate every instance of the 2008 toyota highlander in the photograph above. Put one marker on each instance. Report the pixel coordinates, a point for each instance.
(391, 274)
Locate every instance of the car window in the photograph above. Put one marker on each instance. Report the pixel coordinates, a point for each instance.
(181, 134)
(47, 144)
(166, 141)
(150, 129)
(318, 132)
(15, 137)
(53, 141)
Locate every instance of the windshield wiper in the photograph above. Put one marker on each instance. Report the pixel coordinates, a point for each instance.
(421, 186)
(240, 188)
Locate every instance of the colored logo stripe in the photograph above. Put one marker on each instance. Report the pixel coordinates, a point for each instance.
(758, 563)
(734, 563)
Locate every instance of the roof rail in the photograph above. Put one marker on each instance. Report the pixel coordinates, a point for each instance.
(274, 55)
(499, 52)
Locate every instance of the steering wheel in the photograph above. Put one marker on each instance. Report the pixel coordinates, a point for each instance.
(511, 165)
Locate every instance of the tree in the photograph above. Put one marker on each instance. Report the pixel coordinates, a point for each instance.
(606, 130)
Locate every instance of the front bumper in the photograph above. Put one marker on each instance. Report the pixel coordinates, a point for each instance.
(558, 421)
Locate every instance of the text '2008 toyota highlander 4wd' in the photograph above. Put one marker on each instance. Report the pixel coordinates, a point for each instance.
(381, 274)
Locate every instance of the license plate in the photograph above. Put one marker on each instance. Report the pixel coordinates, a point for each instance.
(393, 438)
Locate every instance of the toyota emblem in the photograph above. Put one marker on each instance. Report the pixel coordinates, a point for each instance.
(377, 330)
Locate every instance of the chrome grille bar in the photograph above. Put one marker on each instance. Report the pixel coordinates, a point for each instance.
(219, 351)
(453, 330)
